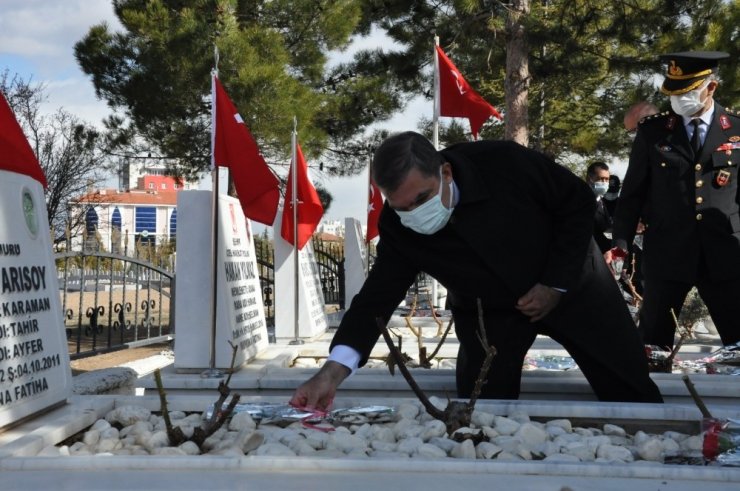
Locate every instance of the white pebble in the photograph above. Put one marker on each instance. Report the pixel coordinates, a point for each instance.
(383, 446)
(91, 437)
(651, 449)
(465, 450)
(487, 450)
(580, 450)
(670, 447)
(274, 450)
(108, 445)
(242, 421)
(610, 429)
(560, 423)
(410, 445)
(480, 418)
(433, 429)
(505, 426)
(317, 439)
(531, 436)
(611, 452)
(693, 443)
(444, 443)
(430, 451)
(407, 411)
(345, 442)
(388, 455)
(100, 425)
(128, 415)
(190, 448)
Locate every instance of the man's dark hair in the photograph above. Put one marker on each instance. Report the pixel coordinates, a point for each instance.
(400, 153)
(591, 169)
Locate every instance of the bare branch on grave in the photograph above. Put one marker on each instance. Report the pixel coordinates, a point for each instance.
(684, 333)
(174, 433)
(434, 316)
(431, 408)
(695, 396)
(217, 419)
(490, 353)
(456, 415)
(442, 341)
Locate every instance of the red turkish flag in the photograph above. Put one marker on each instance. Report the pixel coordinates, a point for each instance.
(16, 154)
(257, 187)
(458, 99)
(374, 205)
(310, 209)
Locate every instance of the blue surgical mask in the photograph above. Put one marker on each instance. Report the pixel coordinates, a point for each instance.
(431, 216)
(600, 188)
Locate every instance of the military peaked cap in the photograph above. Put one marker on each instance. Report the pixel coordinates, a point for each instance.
(689, 69)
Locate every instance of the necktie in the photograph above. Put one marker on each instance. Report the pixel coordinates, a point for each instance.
(695, 140)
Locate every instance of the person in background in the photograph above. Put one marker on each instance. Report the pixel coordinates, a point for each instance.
(597, 177)
(682, 182)
(612, 194)
(505, 225)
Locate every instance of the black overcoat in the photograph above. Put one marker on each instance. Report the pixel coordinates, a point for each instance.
(689, 203)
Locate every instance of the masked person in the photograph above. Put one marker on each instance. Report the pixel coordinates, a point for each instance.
(597, 176)
(496, 221)
(682, 182)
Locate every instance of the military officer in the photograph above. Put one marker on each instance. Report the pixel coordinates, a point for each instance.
(682, 180)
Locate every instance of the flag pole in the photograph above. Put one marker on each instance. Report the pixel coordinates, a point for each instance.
(435, 133)
(294, 203)
(212, 371)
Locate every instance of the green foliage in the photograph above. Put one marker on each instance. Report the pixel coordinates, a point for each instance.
(272, 62)
(589, 60)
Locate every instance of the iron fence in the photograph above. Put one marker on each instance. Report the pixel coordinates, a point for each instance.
(110, 301)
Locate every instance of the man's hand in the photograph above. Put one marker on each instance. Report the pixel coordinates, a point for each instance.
(538, 302)
(318, 391)
(615, 257)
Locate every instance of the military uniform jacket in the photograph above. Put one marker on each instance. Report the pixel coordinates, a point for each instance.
(521, 217)
(689, 203)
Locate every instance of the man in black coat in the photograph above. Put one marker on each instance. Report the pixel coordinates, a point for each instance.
(597, 176)
(688, 199)
(496, 221)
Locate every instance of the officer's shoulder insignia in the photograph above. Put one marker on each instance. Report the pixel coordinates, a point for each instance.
(732, 112)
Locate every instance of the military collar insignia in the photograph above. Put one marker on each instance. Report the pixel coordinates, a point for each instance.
(724, 122)
(671, 122)
(664, 148)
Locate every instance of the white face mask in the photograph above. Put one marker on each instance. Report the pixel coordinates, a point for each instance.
(600, 188)
(431, 216)
(689, 103)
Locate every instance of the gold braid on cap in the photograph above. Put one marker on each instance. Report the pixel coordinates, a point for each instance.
(677, 74)
(683, 90)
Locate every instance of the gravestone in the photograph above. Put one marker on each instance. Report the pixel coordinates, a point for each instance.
(240, 314)
(355, 259)
(311, 316)
(34, 361)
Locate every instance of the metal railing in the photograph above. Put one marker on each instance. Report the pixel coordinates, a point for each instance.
(110, 301)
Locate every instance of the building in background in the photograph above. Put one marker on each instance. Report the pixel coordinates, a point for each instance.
(120, 220)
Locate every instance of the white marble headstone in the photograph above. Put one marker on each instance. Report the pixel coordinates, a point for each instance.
(311, 316)
(240, 314)
(355, 259)
(34, 361)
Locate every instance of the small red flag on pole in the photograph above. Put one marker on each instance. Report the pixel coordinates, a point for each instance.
(458, 99)
(374, 206)
(309, 209)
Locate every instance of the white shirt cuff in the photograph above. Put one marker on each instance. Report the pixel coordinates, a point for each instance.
(343, 354)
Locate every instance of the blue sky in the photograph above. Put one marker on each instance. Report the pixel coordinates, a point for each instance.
(37, 40)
